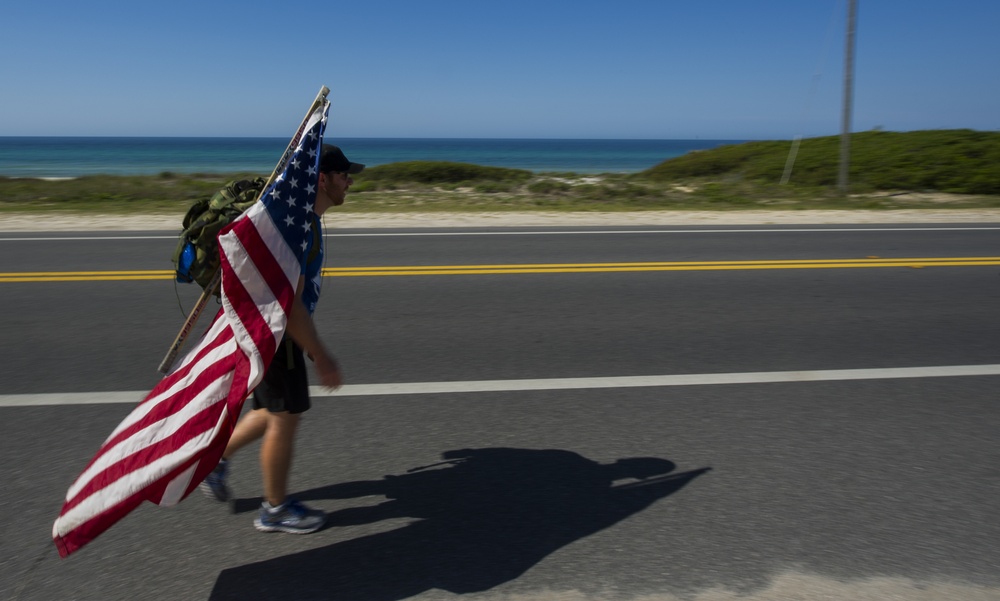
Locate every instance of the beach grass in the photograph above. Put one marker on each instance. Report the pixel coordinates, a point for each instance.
(936, 169)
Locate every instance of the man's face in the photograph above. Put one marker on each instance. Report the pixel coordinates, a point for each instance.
(333, 189)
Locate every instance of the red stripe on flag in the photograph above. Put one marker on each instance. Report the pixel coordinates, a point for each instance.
(195, 425)
(203, 347)
(266, 263)
(174, 403)
(91, 528)
(177, 401)
(251, 319)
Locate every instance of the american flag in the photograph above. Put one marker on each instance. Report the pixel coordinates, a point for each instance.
(176, 436)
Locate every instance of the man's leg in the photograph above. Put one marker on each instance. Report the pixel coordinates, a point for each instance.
(279, 512)
(250, 428)
(276, 454)
(278, 431)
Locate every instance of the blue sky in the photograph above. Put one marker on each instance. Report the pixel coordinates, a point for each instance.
(661, 69)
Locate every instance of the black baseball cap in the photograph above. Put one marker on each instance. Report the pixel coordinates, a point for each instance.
(332, 159)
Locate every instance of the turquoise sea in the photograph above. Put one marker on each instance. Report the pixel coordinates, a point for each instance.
(78, 156)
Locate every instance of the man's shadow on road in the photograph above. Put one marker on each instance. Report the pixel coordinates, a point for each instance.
(482, 517)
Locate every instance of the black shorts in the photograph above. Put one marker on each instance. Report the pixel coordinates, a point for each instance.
(285, 386)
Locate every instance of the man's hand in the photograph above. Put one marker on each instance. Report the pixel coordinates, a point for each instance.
(303, 331)
(329, 372)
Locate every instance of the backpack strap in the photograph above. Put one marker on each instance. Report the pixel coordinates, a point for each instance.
(313, 253)
(317, 240)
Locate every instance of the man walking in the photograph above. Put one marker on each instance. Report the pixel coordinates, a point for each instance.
(283, 395)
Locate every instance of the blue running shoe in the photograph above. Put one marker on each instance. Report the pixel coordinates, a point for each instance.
(291, 517)
(214, 485)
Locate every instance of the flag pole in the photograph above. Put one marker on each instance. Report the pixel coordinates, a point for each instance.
(209, 290)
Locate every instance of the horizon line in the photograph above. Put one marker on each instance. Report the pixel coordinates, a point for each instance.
(509, 138)
(264, 137)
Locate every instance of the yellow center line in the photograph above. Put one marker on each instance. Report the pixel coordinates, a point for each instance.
(412, 270)
(656, 266)
(85, 276)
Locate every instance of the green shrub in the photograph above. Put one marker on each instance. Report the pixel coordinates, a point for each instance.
(549, 187)
(492, 187)
(364, 187)
(440, 172)
(958, 161)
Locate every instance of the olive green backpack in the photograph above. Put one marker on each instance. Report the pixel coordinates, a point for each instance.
(196, 258)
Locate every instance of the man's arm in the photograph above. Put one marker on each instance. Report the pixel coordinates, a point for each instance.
(303, 331)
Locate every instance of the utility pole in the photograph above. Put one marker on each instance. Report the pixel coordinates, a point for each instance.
(845, 130)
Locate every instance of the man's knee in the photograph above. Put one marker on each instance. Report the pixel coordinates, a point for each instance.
(282, 422)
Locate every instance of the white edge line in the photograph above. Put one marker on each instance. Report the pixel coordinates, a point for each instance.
(685, 231)
(95, 398)
(547, 233)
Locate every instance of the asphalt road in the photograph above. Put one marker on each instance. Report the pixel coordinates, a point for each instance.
(874, 486)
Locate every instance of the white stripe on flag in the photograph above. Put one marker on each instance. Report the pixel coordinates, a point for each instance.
(153, 433)
(174, 492)
(267, 305)
(125, 487)
(283, 254)
(181, 385)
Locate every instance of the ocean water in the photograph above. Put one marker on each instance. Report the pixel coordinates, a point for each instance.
(78, 156)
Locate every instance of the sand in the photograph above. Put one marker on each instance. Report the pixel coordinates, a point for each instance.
(63, 223)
